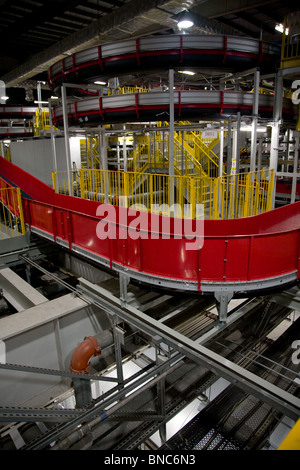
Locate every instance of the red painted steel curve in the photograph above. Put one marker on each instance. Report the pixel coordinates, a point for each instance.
(252, 253)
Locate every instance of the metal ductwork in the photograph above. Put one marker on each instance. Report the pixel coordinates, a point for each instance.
(80, 364)
(132, 20)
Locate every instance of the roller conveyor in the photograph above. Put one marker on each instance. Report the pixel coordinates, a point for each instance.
(147, 106)
(238, 255)
(157, 52)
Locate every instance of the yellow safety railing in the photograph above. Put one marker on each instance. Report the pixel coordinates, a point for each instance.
(11, 213)
(42, 120)
(127, 89)
(191, 157)
(227, 197)
(242, 195)
(290, 46)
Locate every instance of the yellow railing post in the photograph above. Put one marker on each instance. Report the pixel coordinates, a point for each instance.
(215, 198)
(247, 195)
(192, 198)
(126, 188)
(19, 199)
(270, 190)
(54, 182)
(81, 183)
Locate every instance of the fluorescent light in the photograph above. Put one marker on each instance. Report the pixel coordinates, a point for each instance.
(54, 97)
(100, 83)
(186, 72)
(4, 98)
(185, 24)
(185, 20)
(279, 27)
(41, 102)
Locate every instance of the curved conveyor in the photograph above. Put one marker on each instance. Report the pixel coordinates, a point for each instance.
(239, 255)
(155, 106)
(160, 52)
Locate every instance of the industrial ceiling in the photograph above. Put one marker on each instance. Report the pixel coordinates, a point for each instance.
(37, 33)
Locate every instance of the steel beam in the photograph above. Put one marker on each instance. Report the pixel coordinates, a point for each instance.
(37, 315)
(18, 292)
(99, 31)
(283, 401)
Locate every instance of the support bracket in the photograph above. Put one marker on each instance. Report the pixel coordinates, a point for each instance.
(222, 300)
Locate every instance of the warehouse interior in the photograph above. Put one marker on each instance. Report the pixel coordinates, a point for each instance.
(115, 334)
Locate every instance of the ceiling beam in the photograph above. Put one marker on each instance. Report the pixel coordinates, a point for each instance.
(99, 31)
(257, 23)
(38, 15)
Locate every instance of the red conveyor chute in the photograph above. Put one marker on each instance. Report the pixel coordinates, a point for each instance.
(239, 254)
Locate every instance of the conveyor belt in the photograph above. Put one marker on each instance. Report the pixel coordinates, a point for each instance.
(239, 255)
(147, 106)
(236, 420)
(160, 52)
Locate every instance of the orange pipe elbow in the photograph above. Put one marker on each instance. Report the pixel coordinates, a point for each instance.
(82, 355)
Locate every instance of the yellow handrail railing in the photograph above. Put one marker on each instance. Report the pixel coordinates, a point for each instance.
(226, 197)
(11, 212)
(290, 45)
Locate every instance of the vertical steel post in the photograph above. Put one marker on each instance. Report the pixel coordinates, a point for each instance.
(118, 351)
(238, 142)
(103, 158)
(277, 114)
(229, 146)
(171, 138)
(67, 138)
(161, 397)
(295, 170)
(259, 156)
(124, 149)
(54, 156)
(221, 138)
(254, 120)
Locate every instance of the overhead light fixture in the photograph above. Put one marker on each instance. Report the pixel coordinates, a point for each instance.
(185, 21)
(280, 28)
(100, 83)
(41, 102)
(4, 98)
(54, 97)
(186, 72)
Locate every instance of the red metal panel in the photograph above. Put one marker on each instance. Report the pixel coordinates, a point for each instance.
(236, 256)
(85, 235)
(255, 248)
(41, 216)
(168, 258)
(212, 259)
(273, 255)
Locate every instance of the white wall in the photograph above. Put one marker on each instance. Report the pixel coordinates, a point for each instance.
(36, 157)
(38, 347)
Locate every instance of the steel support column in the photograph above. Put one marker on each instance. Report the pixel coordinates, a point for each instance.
(221, 139)
(277, 114)
(254, 120)
(67, 138)
(171, 138)
(279, 399)
(295, 170)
